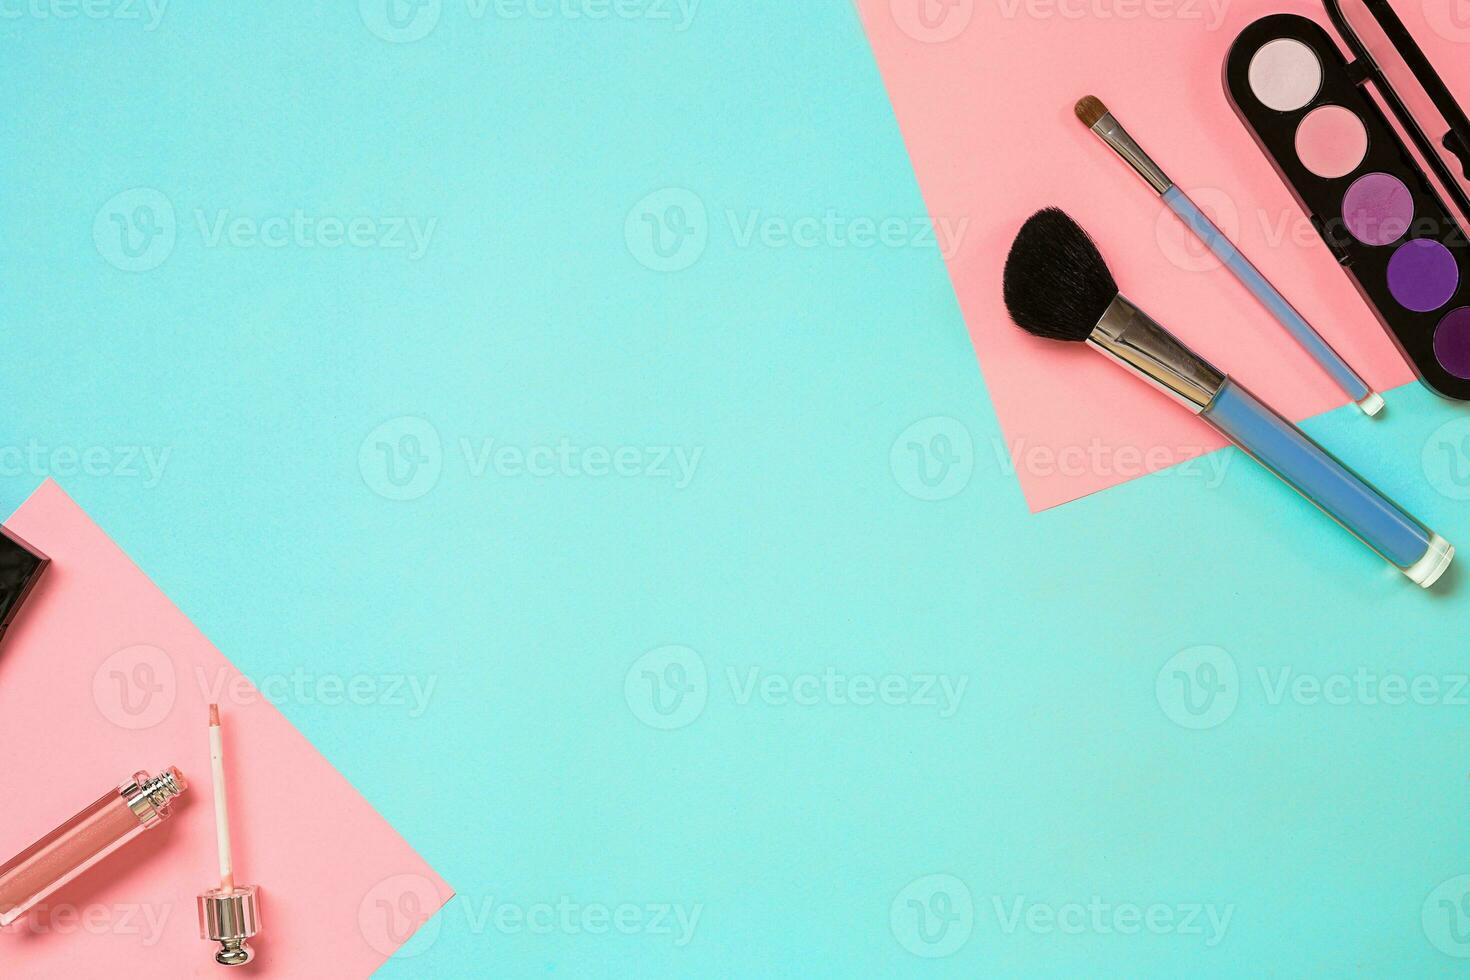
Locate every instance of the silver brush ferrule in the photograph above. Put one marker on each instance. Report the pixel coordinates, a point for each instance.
(1135, 340)
(1112, 133)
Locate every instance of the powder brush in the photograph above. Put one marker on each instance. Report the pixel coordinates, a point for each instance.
(1058, 286)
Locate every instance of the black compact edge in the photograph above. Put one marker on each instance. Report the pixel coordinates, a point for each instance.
(21, 567)
(1322, 198)
(1457, 139)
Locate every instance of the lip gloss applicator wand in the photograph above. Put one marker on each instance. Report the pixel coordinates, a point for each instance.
(229, 914)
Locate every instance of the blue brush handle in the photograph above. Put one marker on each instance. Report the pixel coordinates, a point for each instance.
(1285, 450)
(1250, 277)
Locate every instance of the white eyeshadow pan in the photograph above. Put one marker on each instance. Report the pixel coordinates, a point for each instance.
(1285, 74)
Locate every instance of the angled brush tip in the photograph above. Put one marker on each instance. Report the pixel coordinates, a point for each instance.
(1090, 109)
(1056, 282)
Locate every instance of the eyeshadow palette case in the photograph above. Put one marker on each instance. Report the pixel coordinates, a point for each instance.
(20, 569)
(1367, 196)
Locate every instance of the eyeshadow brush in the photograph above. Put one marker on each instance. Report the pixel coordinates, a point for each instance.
(1058, 286)
(1096, 117)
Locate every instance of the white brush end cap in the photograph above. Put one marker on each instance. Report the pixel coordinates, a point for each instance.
(1437, 557)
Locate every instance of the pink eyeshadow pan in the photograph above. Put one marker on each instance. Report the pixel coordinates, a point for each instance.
(1378, 209)
(1331, 141)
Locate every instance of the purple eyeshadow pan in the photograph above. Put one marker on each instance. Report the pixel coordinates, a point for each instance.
(1423, 275)
(1452, 342)
(1378, 209)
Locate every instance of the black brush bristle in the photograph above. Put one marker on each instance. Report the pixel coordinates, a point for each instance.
(1056, 282)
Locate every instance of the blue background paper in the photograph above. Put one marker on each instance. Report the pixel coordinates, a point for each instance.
(1121, 738)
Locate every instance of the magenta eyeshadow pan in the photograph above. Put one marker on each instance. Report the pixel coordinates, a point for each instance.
(1378, 209)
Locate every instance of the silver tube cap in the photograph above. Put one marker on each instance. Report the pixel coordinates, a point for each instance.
(230, 918)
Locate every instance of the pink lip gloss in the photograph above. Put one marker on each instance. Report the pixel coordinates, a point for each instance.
(139, 804)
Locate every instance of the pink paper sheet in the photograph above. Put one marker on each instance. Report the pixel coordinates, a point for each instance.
(983, 92)
(101, 676)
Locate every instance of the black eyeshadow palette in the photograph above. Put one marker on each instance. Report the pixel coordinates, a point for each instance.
(1363, 190)
(20, 569)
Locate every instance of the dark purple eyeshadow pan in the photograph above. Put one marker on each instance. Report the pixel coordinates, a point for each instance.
(1423, 275)
(1452, 342)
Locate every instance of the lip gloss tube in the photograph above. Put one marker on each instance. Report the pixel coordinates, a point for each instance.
(120, 815)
